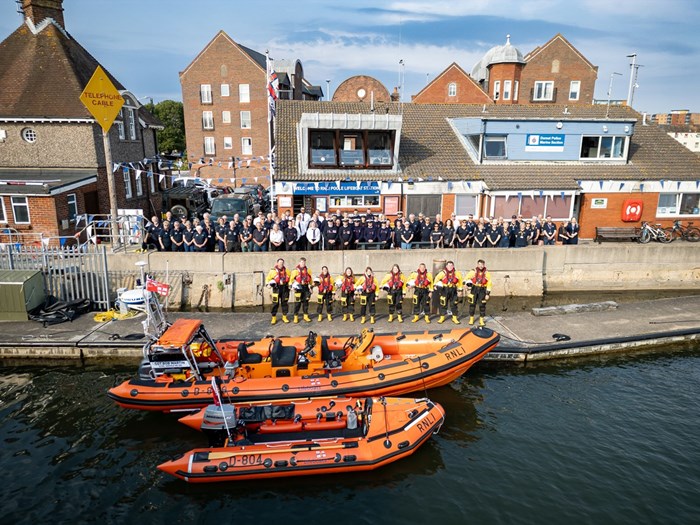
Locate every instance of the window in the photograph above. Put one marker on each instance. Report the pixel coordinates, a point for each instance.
(452, 90)
(226, 117)
(120, 128)
(544, 91)
(228, 143)
(245, 120)
(127, 184)
(428, 205)
(246, 146)
(72, 202)
(132, 124)
(465, 205)
(323, 148)
(139, 185)
(20, 210)
(152, 182)
(574, 89)
(205, 93)
(506, 89)
(555, 205)
(495, 147)
(497, 90)
(3, 214)
(676, 204)
(531, 206)
(351, 149)
(379, 149)
(207, 120)
(602, 147)
(355, 201)
(209, 146)
(515, 90)
(244, 93)
(29, 135)
(225, 92)
(555, 66)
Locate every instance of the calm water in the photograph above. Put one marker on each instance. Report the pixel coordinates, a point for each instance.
(613, 440)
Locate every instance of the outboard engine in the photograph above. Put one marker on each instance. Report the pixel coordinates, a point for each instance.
(213, 423)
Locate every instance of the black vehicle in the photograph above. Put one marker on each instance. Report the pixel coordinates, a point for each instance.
(229, 205)
(185, 202)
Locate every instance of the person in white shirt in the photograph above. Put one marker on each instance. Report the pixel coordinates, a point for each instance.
(276, 238)
(313, 237)
(303, 220)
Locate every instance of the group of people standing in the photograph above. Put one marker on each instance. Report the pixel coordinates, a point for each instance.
(366, 287)
(307, 232)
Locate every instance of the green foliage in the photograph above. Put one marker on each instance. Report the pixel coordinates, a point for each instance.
(171, 114)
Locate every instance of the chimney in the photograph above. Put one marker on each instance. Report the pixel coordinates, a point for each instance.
(38, 10)
(395, 95)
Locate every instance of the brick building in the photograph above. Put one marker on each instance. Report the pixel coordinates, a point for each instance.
(52, 162)
(554, 73)
(225, 102)
(361, 88)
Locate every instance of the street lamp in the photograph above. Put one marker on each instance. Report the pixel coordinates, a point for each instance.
(328, 89)
(612, 76)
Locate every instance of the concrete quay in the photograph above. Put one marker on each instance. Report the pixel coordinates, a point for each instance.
(525, 337)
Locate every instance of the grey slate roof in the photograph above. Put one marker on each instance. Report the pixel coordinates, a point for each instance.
(430, 148)
(16, 181)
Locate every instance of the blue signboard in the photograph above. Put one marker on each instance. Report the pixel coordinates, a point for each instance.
(335, 188)
(544, 142)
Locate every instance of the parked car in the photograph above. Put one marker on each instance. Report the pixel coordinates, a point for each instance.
(229, 205)
(195, 182)
(185, 202)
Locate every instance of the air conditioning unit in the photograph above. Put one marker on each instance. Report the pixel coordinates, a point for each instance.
(3, 135)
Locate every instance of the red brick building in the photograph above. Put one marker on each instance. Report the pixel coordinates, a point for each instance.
(225, 99)
(452, 86)
(361, 88)
(52, 162)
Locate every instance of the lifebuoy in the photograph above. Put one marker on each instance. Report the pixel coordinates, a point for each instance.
(632, 210)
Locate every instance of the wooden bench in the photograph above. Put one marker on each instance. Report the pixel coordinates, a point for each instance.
(616, 233)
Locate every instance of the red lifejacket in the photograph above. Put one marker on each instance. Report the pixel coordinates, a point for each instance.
(348, 285)
(395, 283)
(369, 285)
(479, 278)
(303, 276)
(450, 277)
(422, 279)
(325, 285)
(281, 277)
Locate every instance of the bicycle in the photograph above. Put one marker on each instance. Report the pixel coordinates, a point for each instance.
(688, 233)
(650, 232)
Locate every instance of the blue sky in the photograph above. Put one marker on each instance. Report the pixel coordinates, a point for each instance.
(145, 44)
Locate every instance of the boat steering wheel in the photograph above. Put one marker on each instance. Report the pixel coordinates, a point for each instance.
(350, 344)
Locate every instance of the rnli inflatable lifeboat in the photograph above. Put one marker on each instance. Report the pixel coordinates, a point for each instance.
(178, 366)
(304, 437)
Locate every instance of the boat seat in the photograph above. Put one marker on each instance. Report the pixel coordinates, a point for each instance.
(328, 354)
(283, 355)
(255, 414)
(247, 358)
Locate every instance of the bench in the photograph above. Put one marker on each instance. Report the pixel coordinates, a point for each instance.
(616, 233)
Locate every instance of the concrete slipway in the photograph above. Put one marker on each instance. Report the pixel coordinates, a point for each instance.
(525, 337)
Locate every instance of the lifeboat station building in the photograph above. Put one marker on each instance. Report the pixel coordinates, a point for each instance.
(586, 161)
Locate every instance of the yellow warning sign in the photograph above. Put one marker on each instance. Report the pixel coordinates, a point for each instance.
(102, 99)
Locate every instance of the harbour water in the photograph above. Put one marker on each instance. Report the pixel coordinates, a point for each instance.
(605, 440)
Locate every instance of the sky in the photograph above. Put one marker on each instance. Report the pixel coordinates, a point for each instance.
(145, 44)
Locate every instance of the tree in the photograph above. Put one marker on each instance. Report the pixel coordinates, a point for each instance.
(172, 136)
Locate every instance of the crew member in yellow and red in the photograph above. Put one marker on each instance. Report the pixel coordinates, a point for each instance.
(422, 283)
(394, 284)
(448, 282)
(478, 282)
(346, 284)
(324, 282)
(301, 284)
(278, 281)
(367, 286)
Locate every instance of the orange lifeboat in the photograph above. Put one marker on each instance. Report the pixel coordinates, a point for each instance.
(368, 364)
(313, 436)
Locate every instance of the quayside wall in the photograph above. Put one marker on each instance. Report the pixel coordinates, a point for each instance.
(222, 280)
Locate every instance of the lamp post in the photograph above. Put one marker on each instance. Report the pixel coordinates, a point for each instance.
(328, 89)
(612, 76)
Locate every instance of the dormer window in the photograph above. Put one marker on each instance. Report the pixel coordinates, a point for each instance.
(358, 149)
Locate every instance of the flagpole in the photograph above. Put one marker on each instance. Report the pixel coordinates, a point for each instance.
(271, 128)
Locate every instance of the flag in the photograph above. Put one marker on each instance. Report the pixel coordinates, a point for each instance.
(272, 87)
(215, 392)
(162, 289)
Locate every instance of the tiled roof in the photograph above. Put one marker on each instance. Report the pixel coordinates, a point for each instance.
(430, 148)
(43, 75)
(32, 181)
(259, 58)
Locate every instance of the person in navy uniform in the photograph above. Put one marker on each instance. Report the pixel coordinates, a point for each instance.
(220, 233)
(563, 232)
(231, 237)
(290, 236)
(370, 233)
(471, 230)
(403, 236)
(346, 235)
(448, 234)
(436, 236)
(357, 232)
(369, 215)
(331, 234)
(425, 233)
(493, 237)
(480, 237)
(260, 238)
(503, 230)
(246, 237)
(384, 235)
(151, 237)
(177, 240)
(522, 237)
(164, 238)
(188, 237)
(200, 239)
(572, 231)
(513, 229)
(549, 232)
(461, 234)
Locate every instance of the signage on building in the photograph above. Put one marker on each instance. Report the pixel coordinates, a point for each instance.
(542, 143)
(599, 203)
(337, 188)
(102, 99)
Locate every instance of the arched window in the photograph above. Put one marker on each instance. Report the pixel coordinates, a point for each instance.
(452, 90)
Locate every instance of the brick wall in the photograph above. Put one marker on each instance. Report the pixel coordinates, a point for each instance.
(347, 90)
(543, 67)
(501, 73)
(468, 92)
(223, 62)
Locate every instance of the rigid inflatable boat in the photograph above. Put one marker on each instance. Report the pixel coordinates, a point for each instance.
(304, 437)
(179, 364)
